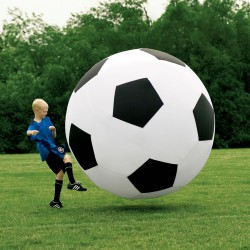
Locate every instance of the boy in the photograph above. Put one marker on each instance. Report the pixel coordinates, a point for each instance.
(42, 131)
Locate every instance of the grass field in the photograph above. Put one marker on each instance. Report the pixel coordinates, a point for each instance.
(212, 212)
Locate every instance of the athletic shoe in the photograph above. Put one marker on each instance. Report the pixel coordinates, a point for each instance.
(76, 186)
(56, 204)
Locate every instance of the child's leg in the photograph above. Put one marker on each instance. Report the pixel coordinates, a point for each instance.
(68, 168)
(55, 164)
(58, 185)
(73, 185)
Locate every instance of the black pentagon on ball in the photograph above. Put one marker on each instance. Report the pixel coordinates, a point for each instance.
(154, 176)
(90, 74)
(82, 148)
(204, 118)
(164, 56)
(136, 102)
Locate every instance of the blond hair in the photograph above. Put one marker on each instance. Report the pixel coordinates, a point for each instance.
(38, 104)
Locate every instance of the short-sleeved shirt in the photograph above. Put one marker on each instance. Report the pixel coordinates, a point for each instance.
(44, 139)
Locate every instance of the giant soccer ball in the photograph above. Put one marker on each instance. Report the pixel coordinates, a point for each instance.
(140, 124)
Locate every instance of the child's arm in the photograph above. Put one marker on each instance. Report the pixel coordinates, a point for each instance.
(32, 132)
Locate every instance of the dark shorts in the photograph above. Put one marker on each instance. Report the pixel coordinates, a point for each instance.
(55, 160)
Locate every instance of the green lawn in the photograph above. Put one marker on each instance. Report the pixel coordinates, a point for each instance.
(212, 212)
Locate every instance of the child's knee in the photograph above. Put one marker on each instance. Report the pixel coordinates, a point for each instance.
(67, 158)
(60, 175)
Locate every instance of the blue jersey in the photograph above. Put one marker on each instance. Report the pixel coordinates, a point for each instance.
(44, 139)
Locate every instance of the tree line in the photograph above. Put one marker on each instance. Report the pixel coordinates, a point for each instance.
(38, 60)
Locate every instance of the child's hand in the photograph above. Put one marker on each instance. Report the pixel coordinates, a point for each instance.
(34, 132)
(52, 128)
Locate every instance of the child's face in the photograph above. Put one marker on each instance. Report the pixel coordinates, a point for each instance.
(42, 112)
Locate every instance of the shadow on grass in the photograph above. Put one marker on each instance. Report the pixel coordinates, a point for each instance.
(187, 208)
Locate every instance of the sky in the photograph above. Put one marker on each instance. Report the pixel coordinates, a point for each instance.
(58, 12)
